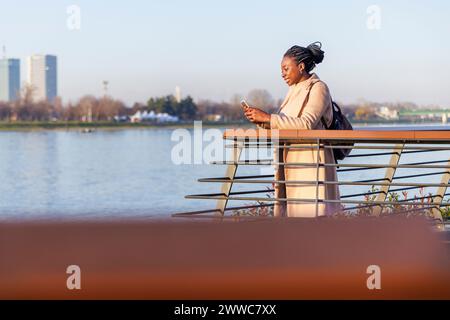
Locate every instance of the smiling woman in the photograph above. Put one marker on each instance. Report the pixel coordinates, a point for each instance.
(308, 105)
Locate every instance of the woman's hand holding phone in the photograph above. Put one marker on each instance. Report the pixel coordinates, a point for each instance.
(255, 115)
(244, 105)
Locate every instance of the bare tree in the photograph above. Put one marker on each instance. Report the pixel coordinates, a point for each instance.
(57, 111)
(26, 95)
(261, 98)
(87, 108)
(5, 111)
(108, 108)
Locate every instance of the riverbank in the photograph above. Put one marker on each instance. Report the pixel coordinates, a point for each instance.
(78, 125)
(68, 125)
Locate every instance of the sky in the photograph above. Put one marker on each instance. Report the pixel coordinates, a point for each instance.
(381, 51)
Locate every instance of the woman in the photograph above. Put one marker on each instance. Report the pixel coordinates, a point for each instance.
(306, 106)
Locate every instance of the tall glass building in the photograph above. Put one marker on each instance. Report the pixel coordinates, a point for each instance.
(9, 79)
(42, 76)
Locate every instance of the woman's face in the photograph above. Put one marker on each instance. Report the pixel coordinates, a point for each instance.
(290, 71)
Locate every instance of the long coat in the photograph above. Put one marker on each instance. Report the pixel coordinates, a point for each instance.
(304, 106)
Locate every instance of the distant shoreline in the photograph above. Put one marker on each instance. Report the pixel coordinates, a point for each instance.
(107, 125)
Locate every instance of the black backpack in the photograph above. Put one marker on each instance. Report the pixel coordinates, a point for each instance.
(340, 122)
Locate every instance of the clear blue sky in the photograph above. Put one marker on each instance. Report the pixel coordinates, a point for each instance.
(213, 49)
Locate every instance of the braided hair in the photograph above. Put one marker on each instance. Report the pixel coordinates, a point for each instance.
(310, 56)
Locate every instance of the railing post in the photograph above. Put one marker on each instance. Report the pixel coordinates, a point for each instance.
(318, 176)
(388, 176)
(439, 197)
(230, 174)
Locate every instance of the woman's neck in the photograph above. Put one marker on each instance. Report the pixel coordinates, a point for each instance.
(305, 77)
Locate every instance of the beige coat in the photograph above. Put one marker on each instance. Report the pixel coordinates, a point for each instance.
(313, 95)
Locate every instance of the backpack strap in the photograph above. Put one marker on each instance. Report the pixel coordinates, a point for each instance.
(306, 101)
(324, 123)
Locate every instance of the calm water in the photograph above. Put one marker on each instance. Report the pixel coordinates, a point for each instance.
(118, 173)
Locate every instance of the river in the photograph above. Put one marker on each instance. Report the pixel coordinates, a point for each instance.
(111, 173)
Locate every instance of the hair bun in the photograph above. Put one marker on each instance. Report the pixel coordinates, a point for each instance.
(316, 51)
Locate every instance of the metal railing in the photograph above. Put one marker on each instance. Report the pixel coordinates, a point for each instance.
(430, 149)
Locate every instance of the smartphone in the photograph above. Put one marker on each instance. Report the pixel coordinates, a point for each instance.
(244, 104)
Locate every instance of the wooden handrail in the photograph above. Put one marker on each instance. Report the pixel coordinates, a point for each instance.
(441, 136)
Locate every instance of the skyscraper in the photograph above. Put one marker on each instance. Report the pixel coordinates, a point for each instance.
(42, 76)
(9, 79)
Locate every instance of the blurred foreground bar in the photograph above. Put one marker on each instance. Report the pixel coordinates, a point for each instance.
(255, 259)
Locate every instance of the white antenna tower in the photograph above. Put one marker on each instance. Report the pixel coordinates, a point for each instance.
(178, 94)
(105, 87)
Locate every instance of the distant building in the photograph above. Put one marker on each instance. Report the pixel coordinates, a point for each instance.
(42, 76)
(143, 116)
(9, 79)
(121, 118)
(214, 117)
(386, 113)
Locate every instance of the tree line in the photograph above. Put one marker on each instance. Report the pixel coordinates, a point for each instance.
(87, 108)
(91, 108)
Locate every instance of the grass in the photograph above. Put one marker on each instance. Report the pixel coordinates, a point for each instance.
(45, 125)
(419, 207)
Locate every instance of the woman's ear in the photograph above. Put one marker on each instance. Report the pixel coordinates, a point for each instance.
(301, 67)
